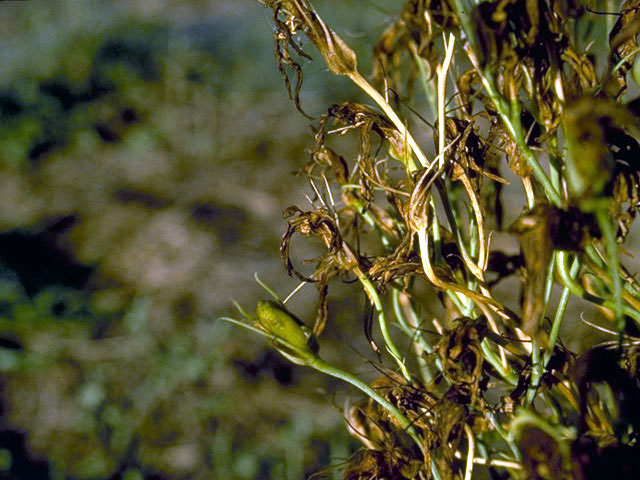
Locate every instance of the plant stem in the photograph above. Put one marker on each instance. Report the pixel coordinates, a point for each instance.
(504, 434)
(382, 321)
(417, 340)
(515, 129)
(560, 310)
(604, 222)
(329, 369)
(441, 72)
(537, 366)
(360, 81)
(577, 290)
(510, 114)
(491, 357)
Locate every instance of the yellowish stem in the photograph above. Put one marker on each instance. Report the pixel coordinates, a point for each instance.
(360, 81)
(468, 471)
(441, 71)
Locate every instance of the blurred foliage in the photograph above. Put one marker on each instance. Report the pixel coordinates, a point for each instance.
(130, 136)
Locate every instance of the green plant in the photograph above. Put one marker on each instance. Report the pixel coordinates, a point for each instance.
(481, 385)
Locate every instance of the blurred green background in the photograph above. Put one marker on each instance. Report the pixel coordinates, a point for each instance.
(146, 151)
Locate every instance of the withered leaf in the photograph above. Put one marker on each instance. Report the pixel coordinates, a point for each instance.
(540, 231)
(532, 231)
(622, 41)
(421, 22)
(469, 151)
(461, 357)
(339, 258)
(300, 15)
(592, 127)
(365, 121)
(542, 457)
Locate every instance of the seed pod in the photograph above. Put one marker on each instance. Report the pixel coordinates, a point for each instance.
(291, 337)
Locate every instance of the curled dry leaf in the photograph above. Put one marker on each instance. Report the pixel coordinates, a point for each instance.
(623, 44)
(600, 135)
(462, 359)
(284, 33)
(367, 464)
(470, 152)
(339, 258)
(300, 15)
(413, 36)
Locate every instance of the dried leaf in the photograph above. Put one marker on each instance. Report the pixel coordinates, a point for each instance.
(592, 127)
(541, 455)
(532, 230)
(623, 43)
(300, 15)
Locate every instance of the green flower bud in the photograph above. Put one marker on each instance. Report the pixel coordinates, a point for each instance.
(295, 341)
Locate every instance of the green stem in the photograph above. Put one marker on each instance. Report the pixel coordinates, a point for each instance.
(510, 114)
(464, 16)
(491, 357)
(560, 310)
(536, 372)
(548, 289)
(452, 218)
(604, 222)
(578, 291)
(420, 344)
(504, 434)
(464, 305)
(632, 287)
(537, 367)
(382, 321)
(314, 361)
(329, 369)
(514, 125)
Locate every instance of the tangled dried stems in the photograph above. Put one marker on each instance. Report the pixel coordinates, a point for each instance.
(490, 388)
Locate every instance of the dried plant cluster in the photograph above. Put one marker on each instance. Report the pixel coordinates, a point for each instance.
(483, 390)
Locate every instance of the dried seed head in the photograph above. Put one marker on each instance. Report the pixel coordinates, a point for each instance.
(418, 205)
(301, 15)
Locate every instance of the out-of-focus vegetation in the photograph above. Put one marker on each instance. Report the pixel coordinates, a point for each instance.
(142, 184)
